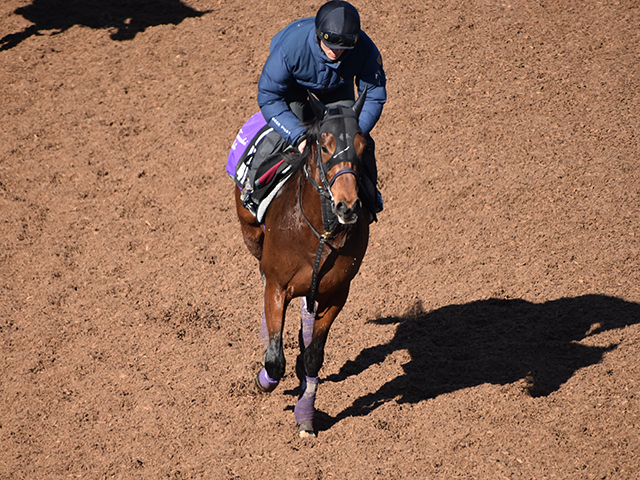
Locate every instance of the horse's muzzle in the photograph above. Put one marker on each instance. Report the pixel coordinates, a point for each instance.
(348, 215)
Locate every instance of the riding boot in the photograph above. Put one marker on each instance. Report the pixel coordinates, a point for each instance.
(369, 179)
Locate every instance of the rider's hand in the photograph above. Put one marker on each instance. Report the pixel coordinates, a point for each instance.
(301, 145)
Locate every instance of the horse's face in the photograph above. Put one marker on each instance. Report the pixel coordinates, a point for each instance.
(339, 151)
(340, 154)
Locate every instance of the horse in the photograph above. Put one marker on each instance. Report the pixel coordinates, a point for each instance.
(311, 245)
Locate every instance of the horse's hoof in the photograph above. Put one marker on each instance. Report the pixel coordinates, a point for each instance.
(306, 431)
(264, 382)
(260, 388)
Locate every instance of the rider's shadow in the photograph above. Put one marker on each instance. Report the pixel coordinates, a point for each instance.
(125, 18)
(490, 341)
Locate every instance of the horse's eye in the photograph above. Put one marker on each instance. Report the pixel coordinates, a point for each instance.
(325, 149)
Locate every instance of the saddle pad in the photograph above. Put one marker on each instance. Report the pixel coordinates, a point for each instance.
(258, 164)
(248, 131)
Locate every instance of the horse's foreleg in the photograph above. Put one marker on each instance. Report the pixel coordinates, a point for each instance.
(307, 319)
(274, 361)
(312, 360)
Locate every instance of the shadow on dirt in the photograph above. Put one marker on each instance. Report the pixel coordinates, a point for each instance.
(126, 18)
(490, 341)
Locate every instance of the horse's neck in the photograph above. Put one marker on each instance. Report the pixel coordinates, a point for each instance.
(311, 165)
(310, 197)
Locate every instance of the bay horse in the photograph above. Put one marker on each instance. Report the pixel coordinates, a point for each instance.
(311, 245)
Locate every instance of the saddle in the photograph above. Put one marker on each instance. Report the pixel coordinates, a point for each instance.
(258, 164)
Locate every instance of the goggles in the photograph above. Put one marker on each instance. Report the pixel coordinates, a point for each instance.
(337, 40)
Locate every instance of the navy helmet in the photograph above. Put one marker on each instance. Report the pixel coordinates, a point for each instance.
(338, 24)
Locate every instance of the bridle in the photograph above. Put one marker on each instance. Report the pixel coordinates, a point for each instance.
(342, 123)
(345, 151)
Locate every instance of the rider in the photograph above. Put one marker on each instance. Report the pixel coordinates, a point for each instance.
(324, 55)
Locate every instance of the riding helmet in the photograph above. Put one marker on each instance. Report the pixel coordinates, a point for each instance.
(338, 24)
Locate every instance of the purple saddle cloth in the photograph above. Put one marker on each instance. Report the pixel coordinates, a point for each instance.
(258, 164)
(248, 131)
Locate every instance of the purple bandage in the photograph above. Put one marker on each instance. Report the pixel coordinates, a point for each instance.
(267, 383)
(306, 322)
(304, 409)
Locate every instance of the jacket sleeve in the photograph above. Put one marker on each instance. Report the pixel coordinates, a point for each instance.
(373, 80)
(272, 86)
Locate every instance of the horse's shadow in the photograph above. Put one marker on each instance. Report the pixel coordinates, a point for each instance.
(126, 18)
(490, 341)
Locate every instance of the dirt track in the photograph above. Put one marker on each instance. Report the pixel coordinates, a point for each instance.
(493, 331)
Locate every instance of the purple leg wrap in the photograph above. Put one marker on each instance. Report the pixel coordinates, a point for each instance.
(267, 383)
(304, 408)
(307, 320)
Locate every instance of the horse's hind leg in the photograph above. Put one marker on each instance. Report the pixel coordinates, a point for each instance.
(263, 381)
(275, 304)
(252, 232)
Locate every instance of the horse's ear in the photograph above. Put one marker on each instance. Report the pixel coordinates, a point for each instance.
(357, 107)
(319, 108)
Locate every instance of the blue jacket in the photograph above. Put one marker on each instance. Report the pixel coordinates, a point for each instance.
(297, 61)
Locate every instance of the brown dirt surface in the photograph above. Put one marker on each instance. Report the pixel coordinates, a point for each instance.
(493, 331)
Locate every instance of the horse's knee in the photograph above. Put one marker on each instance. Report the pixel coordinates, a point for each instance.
(274, 361)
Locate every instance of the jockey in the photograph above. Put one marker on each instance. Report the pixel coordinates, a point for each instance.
(324, 55)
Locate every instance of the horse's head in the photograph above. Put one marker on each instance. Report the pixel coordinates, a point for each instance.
(338, 153)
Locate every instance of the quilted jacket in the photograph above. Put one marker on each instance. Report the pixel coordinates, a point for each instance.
(296, 61)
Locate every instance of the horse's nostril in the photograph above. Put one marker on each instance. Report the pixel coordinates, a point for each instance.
(345, 211)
